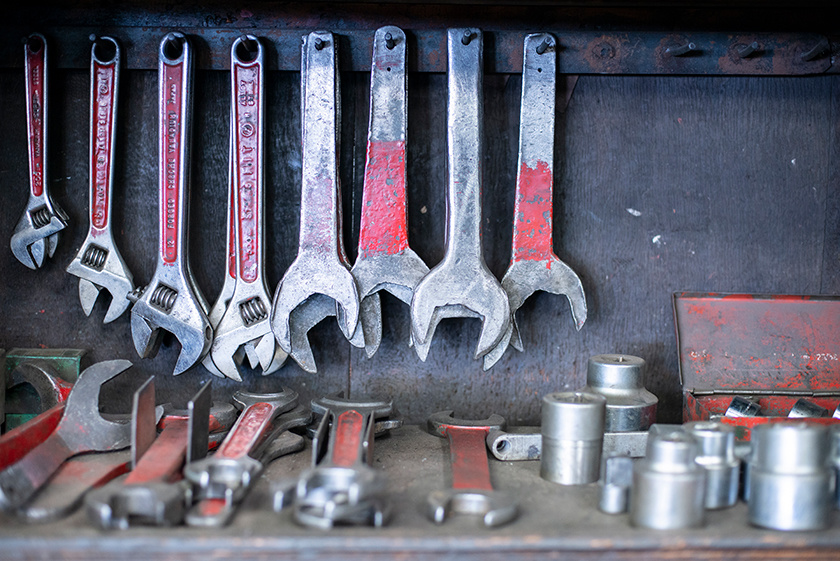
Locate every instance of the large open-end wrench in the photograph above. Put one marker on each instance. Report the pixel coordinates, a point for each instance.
(461, 285)
(36, 234)
(533, 264)
(246, 319)
(81, 429)
(172, 301)
(99, 264)
(321, 266)
(471, 492)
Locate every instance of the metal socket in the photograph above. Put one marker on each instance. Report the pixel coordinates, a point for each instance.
(616, 483)
(572, 437)
(619, 378)
(791, 477)
(716, 455)
(668, 484)
(742, 407)
(804, 408)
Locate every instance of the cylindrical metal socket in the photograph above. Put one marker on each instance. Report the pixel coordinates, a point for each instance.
(742, 407)
(791, 476)
(572, 437)
(716, 455)
(619, 378)
(616, 482)
(804, 408)
(668, 485)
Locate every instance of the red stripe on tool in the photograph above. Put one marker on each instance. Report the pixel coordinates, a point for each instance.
(468, 453)
(231, 256)
(164, 457)
(36, 68)
(532, 222)
(171, 121)
(383, 229)
(102, 115)
(16, 443)
(248, 173)
(247, 431)
(348, 438)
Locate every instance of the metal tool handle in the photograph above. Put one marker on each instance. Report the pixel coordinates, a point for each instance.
(19, 481)
(175, 108)
(16, 443)
(165, 457)
(350, 430)
(104, 89)
(383, 228)
(249, 431)
(532, 225)
(467, 453)
(248, 118)
(35, 63)
(465, 133)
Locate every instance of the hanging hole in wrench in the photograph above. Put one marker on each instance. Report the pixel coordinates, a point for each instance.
(388, 69)
(104, 50)
(247, 49)
(502, 446)
(173, 47)
(34, 43)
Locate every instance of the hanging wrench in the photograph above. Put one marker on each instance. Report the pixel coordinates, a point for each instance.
(321, 266)
(99, 264)
(36, 234)
(172, 301)
(461, 285)
(472, 492)
(81, 429)
(533, 264)
(246, 318)
(385, 262)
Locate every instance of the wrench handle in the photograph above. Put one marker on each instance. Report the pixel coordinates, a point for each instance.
(35, 65)
(348, 433)
(247, 92)
(175, 108)
(468, 455)
(164, 457)
(16, 443)
(20, 481)
(104, 86)
(532, 222)
(231, 224)
(248, 431)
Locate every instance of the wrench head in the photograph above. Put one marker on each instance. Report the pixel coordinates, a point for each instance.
(118, 507)
(440, 422)
(495, 508)
(101, 266)
(284, 400)
(232, 337)
(30, 245)
(40, 375)
(459, 289)
(492, 357)
(328, 496)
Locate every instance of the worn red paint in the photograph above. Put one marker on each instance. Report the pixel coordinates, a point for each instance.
(383, 229)
(163, 460)
(247, 431)
(36, 96)
(532, 215)
(16, 443)
(103, 108)
(171, 122)
(348, 438)
(248, 172)
(468, 454)
(231, 249)
(209, 508)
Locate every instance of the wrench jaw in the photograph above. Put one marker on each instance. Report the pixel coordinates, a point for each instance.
(30, 243)
(329, 496)
(99, 265)
(118, 507)
(245, 324)
(495, 508)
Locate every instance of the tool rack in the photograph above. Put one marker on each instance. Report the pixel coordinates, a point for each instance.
(711, 171)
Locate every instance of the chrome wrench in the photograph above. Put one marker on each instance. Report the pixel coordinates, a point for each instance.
(172, 301)
(99, 264)
(246, 319)
(461, 285)
(36, 234)
(533, 263)
(321, 265)
(385, 261)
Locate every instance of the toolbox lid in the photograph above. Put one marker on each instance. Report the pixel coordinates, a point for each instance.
(733, 343)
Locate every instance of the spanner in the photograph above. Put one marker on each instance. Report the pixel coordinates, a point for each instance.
(533, 264)
(246, 318)
(49, 386)
(385, 262)
(461, 285)
(472, 492)
(99, 264)
(81, 429)
(36, 234)
(321, 265)
(172, 301)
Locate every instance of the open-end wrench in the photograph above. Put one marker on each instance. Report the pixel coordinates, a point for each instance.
(385, 262)
(321, 265)
(44, 379)
(246, 318)
(533, 264)
(342, 488)
(472, 492)
(172, 301)
(36, 234)
(81, 429)
(99, 264)
(461, 285)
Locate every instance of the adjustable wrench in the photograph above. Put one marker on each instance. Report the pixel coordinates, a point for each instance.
(172, 301)
(81, 429)
(99, 264)
(533, 264)
(472, 492)
(461, 285)
(246, 319)
(385, 262)
(342, 487)
(321, 265)
(36, 234)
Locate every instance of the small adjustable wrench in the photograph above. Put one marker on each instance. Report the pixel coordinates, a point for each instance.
(172, 301)
(461, 285)
(533, 264)
(472, 492)
(36, 234)
(321, 266)
(99, 264)
(246, 319)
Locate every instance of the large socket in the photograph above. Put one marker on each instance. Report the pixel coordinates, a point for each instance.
(716, 455)
(619, 378)
(572, 437)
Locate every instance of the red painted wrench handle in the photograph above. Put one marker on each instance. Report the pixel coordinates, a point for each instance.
(164, 458)
(468, 454)
(35, 63)
(248, 431)
(349, 432)
(383, 228)
(532, 222)
(104, 75)
(20, 481)
(16, 443)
